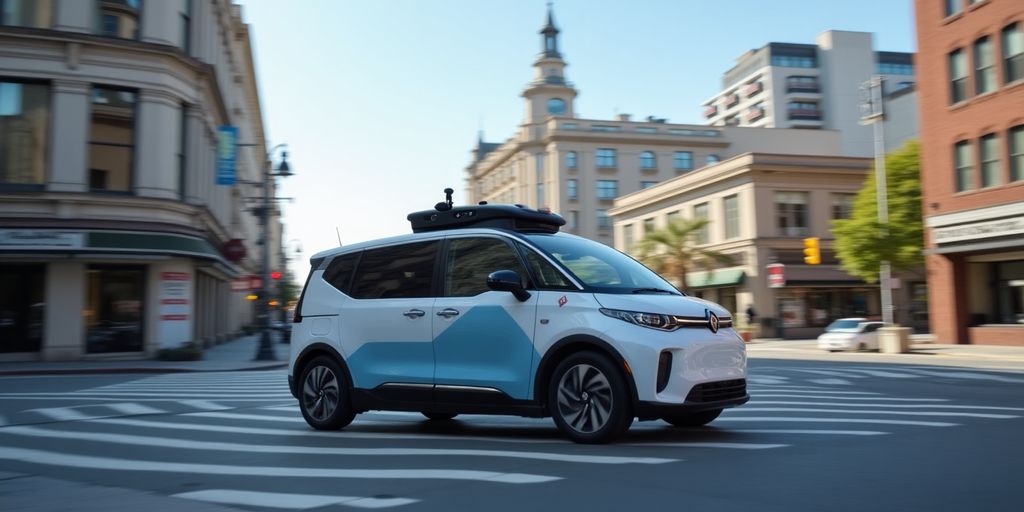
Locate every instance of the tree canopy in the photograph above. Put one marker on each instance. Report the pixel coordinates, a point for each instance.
(860, 244)
(672, 251)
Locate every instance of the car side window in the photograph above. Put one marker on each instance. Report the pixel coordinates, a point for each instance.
(339, 272)
(471, 260)
(547, 275)
(398, 271)
(872, 327)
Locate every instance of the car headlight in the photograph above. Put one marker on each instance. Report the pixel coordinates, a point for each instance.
(652, 320)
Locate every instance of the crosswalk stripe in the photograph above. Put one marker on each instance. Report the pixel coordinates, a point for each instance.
(165, 442)
(183, 395)
(130, 465)
(902, 406)
(728, 446)
(830, 373)
(883, 373)
(806, 431)
(132, 408)
(776, 389)
(899, 413)
(965, 375)
(203, 404)
(63, 414)
(288, 500)
(831, 397)
(66, 398)
(832, 382)
(834, 420)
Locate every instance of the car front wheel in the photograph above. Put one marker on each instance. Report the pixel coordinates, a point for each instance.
(589, 399)
(324, 397)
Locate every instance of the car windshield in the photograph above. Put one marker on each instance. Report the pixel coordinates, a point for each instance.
(600, 267)
(843, 325)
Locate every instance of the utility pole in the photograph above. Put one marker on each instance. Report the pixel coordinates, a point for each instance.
(873, 113)
(265, 352)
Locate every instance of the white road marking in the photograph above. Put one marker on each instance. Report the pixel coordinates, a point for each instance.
(132, 408)
(898, 413)
(166, 442)
(964, 375)
(64, 414)
(67, 398)
(728, 446)
(813, 390)
(832, 382)
(114, 464)
(883, 373)
(808, 431)
(288, 501)
(206, 405)
(901, 406)
(766, 380)
(210, 395)
(830, 373)
(833, 420)
(831, 397)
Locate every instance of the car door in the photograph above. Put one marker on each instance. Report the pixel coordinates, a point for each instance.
(483, 339)
(387, 326)
(870, 335)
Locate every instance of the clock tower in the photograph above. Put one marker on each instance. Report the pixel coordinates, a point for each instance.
(549, 94)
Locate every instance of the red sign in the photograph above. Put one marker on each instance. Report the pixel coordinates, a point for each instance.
(246, 283)
(233, 250)
(776, 275)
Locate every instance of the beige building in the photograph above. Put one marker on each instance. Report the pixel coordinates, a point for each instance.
(811, 86)
(577, 166)
(111, 222)
(761, 206)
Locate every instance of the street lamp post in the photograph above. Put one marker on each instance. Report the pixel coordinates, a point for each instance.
(265, 352)
(873, 113)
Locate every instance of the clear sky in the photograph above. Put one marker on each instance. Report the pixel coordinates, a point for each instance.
(380, 101)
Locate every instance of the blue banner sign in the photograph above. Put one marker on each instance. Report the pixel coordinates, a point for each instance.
(227, 153)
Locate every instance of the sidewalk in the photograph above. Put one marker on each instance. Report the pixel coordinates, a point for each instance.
(921, 352)
(235, 355)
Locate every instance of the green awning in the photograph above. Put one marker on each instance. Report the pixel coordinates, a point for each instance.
(733, 277)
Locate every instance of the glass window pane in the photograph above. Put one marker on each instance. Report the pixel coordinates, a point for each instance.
(1017, 153)
(471, 260)
(964, 166)
(1013, 52)
(24, 132)
(991, 170)
(112, 139)
(118, 18)
(548, 276)
(732, 216)
(339, 272)
(27, 13)
(22, 304)
(114, 309)
(401, 271)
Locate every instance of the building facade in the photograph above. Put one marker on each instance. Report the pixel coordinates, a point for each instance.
(760, 207)
(972, 116)
(809, 86)
(577, 166)
(111, 222)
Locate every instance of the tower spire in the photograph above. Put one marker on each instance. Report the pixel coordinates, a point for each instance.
(549, 36)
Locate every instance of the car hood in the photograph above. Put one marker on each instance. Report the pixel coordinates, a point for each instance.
(679, 305)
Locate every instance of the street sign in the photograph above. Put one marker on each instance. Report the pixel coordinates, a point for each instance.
(227, 152)
(776, 275)
(246, 283)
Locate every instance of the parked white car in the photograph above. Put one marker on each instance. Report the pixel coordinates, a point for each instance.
(850, 334)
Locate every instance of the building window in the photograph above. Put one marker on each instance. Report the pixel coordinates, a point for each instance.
(893, 68)
(603, 220)
(799, 83)
(958, 75)
(964, 166)
(556, 106)
(807, 110)
(791, 213)
(570, 160)
(673, 217)
(1017, 153)
(574, 219)
(700, 211)
(540, 196)
(571, 189)
(182, 148)
(186, 26)
(1009, 291)
(114, 315)
(27, 13)
(984, 66)
(842, 206)
(112, 139)
(953, 7)
(24, 133)
(22, 307)
(648, 160)
(607, 189)
(627, 237)
(713, 159)
(605, 128)
(991, 171)
(606, 157)
(731, 205)
(791, 61)
(649, 226)
(647, 184)
(1013, 53)
(682, 160)
(118, 18)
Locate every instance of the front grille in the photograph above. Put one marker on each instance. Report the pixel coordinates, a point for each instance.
(716, 391)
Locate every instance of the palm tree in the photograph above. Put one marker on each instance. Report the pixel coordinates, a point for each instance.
(672, 251)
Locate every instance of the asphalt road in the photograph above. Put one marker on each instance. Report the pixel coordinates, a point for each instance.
(817, 435)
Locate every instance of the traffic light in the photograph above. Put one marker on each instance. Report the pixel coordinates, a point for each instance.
(275, 275)
(812, 251)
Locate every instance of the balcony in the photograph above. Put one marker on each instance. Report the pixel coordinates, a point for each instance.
(711, 111)
(754, 114)
(804, 114)
(806, 87)
(753, 89)
(732, 100)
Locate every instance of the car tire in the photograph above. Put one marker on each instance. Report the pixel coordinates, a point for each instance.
(692, 419)
(324, 397)
(589, 400)
(440, 416)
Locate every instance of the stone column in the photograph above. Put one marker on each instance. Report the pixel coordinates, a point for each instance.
(161, 22)
(159, 135)
(64, 323)
(69, 118)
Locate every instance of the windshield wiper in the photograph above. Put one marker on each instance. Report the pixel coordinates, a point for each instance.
(655, 290)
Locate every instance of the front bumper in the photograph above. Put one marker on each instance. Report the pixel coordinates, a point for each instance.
(657, 410)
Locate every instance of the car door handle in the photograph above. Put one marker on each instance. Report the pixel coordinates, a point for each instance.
(414, 313)
(448, 312)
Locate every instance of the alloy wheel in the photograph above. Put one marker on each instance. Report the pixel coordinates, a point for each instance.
(320, 393)
(584, 398)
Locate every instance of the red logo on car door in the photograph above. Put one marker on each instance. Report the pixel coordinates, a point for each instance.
(562, 301)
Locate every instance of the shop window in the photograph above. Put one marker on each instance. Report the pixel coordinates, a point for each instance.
(1009, 292)
(24, 133)
(22, 303)
(27, 13)
(114, 309)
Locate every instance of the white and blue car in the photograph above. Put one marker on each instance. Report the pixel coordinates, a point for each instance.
(488, 309)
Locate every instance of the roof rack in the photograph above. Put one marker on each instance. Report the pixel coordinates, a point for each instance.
(503, 216)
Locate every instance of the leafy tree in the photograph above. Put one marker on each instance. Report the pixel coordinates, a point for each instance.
(860, 244)
(672, 251)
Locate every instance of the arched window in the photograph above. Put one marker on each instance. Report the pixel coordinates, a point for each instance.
(648, 160)
(713, 159)
(570, 160)
(556, 106)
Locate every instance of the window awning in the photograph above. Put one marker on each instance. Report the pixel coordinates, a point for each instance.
(715, 278)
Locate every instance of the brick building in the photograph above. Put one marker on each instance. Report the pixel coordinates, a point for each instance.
(971, 84)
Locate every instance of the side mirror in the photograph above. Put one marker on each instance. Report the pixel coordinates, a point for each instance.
(508, 281)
